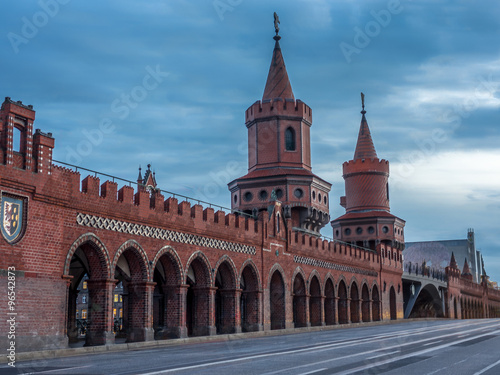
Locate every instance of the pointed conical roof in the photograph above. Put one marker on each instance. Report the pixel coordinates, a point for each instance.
(139, 178)
(277, 85)
(453, 262)
(466, 270)
(364, 147)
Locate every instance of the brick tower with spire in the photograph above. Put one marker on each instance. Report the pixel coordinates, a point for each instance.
(279, 155)
(367, 221)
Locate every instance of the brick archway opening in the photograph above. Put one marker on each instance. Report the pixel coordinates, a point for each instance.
(168, 299)
(249, 300)
(354, 303)
(131, 272)
(392, 304)
(199, 299)
(329, 303)
(365, 304)
(315, 302)
(277, 301)
(299, 302)
(343, 318)
(375, 304)
(88, 297)
(226, 296)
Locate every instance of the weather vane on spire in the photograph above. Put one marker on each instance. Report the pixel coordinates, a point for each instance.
(363, 102)
(276, 23)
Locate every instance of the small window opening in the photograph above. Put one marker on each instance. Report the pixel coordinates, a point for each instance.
(290, 139)
(16, 140)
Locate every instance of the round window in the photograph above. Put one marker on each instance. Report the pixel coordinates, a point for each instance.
(347, 231)
(371, 230)
(385, 229)
(248, 196)
(337, 233)
(299, 193)
(235, 198)
(314, 195)
(324, 199)
(263, 194)
(359, 230)
(319, 198)
(279, 193)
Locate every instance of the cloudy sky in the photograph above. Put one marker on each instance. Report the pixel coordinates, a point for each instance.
(127, 83)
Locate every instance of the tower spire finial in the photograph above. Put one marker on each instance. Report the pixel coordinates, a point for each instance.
(276, 27)
(363, 103)
(277, 84)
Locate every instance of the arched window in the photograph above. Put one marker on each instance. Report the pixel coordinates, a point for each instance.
(16, 140)
(290, 139)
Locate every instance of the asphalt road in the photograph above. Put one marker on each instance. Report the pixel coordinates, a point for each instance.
(438, 347)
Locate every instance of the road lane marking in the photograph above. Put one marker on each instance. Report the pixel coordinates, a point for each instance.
(52, 370)
(421, 352)
(314, 371)
(431, 343)
(399, 346)
(487, 368)
(326, 347)
(383, 355)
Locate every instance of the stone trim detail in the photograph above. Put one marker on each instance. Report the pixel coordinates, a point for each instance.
(332, 266)
(162, 234)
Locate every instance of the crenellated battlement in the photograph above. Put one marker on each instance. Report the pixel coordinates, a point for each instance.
(127, 203)
(365, 166)
(282, 107)
(335, 251)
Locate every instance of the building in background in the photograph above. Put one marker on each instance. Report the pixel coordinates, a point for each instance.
(437, 254)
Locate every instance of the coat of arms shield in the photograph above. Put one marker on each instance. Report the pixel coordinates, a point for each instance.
(11, 223)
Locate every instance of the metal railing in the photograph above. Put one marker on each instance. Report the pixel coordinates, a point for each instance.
(170, 193)
(330, 239)
(423, 270)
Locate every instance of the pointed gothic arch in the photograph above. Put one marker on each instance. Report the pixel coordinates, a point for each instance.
(365, 303)
(392, 304)
(315, 293)
(199, 296)
(329, 300)
(250, 305)
(375, 303)
(342, 302)
(88, 257)
(354, 294)
(130, 267)
(277, 298)
(226, 297)
(169, 294)
(299, 300)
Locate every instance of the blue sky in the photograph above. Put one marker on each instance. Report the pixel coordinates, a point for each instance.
(122, 83)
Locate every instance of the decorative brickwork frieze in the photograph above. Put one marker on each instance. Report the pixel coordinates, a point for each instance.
(332, 266)
(159, 233)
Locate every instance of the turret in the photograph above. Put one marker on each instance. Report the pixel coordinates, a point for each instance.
(466, 274)
(279, 155)
(368, 220)
(19, 146)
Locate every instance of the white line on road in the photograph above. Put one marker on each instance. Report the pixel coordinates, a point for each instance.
(383, 355)
(398, 346)
(312, 372)
(360, 368)
(315, 349)
(52, 370)
(431, 343)
(487, 368)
